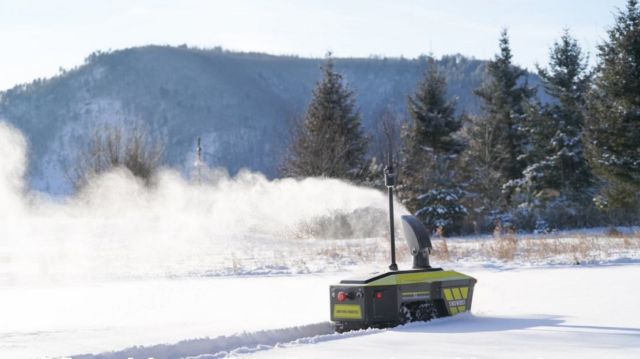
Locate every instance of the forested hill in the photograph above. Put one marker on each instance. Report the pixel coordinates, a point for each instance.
(241, 104)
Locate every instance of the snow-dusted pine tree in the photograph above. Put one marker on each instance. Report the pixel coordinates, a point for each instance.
(496, 141)
(558, 178)
(613, 116)
(505, 96)
(429, 183)
(330, 141)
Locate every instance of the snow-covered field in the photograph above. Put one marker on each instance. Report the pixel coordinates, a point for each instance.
(547, 312)
(567, 312)
(241, 266)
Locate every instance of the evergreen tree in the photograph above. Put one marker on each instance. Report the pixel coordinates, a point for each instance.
(613, 117)
(431, 148)
(329, 142)
(481, 178)
(505, 97)
(558, 174)
(567, 80)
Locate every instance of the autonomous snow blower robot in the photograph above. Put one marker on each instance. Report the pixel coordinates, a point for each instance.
(399, 296)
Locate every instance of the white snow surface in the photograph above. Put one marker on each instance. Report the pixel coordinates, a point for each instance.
(546, 312)
(568, 312)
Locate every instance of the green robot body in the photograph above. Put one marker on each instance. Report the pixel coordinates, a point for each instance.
(397, 297)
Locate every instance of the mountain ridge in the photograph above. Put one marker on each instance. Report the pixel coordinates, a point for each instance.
(241, 104)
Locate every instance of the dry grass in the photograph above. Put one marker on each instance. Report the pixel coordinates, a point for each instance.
(508, 247)
(319, 255)
(357, 252)
(504, 247)
(441, 250)
(336, 254)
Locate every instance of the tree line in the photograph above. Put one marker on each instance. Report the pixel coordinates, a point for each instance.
(522, 163)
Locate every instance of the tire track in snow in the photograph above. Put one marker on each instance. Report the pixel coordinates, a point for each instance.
(230, 345)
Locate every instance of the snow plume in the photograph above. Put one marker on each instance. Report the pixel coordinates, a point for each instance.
(12, 169)
(118, 227)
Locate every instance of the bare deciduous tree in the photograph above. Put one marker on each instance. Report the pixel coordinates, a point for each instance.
(112, 146)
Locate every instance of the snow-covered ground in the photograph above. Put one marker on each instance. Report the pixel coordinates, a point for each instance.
(546, 312)
(54, 321)
(568, 312)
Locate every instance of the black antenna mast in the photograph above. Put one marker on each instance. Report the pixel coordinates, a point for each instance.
(390, 182)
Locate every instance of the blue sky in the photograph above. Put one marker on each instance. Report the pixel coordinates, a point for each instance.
(39, 37)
